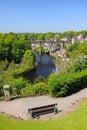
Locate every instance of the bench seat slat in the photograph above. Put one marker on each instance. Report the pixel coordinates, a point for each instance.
(42, 107)
(43, 110)
(42, 113)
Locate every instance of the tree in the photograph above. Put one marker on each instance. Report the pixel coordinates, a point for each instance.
(49, 35)
(40, 36)
(72, 47)
(28, 62)
(80, 51)
(3, 66)
(18, 50)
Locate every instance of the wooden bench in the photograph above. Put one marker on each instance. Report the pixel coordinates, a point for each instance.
(34, 112)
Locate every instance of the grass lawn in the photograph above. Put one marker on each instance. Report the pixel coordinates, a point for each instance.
(74, 121)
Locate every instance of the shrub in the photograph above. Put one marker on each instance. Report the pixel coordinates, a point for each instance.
(40, 79)
(67, 83)
(18, 84)
(40, 88)
(27, 91)
(35, 89)
(57, 85)
(80, 63)
(1, 90)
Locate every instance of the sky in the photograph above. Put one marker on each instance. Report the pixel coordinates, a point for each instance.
(40, 16)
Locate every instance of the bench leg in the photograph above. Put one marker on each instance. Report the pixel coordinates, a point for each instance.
(55, 109)
(31, 115)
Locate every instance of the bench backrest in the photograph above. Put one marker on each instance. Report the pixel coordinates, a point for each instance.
(42, 107)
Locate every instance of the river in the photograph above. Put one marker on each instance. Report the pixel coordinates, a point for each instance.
(45, 66)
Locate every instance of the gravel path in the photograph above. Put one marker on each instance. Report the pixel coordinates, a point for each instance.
(19, 107)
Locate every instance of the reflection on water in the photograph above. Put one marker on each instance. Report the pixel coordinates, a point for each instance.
(44, 60)
(45, 66)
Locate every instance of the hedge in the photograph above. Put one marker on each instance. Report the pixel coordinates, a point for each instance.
(66, 83)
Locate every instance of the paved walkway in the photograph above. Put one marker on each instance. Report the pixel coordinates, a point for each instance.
(19, 107)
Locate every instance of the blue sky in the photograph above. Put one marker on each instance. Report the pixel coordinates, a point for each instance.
(43, 15)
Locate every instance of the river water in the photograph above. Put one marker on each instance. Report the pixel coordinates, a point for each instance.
(45, 66)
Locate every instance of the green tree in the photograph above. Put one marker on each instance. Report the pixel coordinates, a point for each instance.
(48, 35)
(72, 47)
(41, 36)
(18, 50)
(28, 62)
(3, 66)
(80, 51)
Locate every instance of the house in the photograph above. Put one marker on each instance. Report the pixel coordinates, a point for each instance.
(80, 38)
